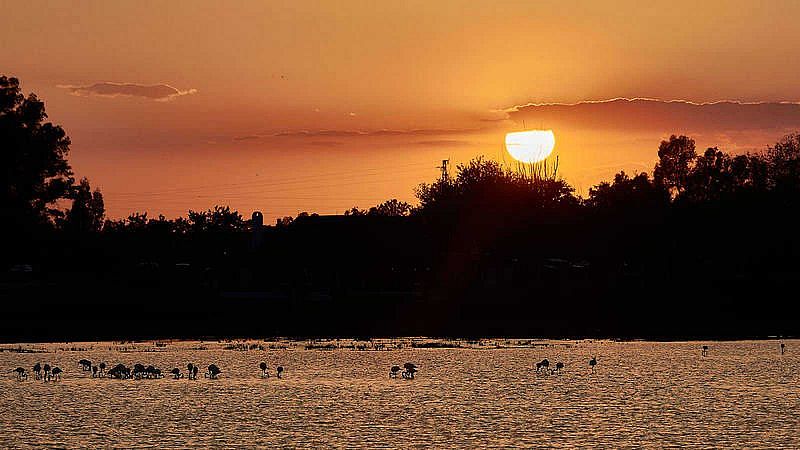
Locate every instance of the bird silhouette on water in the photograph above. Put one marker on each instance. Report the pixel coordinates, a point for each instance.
(394, 371)
(213, 372)
(37, 371)
(192, 370)
(410, 370)
(21, 373)
(280, 371)
(593, 363)
(705, 350)
(543, 366)
(264, 370)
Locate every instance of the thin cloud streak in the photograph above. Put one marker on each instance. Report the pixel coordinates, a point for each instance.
(156, 92)
(359, 133)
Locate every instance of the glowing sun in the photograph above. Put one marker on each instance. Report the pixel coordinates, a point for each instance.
(530, 146)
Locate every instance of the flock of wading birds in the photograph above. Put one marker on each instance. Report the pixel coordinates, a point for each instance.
(139, 371)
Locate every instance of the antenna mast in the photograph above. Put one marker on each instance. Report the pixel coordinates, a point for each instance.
(443, 167)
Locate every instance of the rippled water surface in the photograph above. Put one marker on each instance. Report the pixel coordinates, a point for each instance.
(743, 394)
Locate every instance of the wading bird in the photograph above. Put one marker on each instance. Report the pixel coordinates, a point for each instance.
(46, 372)
(705, 350)
(279, 370)
(37, 371)
(120, 372)
(593, 363)
(783, 348)
(559, 366)
(102, 369)
(138, 371)
(543, 365)
(264, 370)
(410, 370)
(57, 373)
(394, 371)
(176, 373)
(85, 364)
(213, 372)
(21, 374)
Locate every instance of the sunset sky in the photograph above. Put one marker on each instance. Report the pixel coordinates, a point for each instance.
(321, 106)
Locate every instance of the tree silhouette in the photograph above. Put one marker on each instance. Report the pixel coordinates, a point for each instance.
(35, 172)
(783, 164)
(87, 211)
(389, 208)
(221, 218)
(627, 194)
(485, 185)
(675, 158)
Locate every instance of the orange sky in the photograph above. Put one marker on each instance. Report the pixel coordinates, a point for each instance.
(280, 106)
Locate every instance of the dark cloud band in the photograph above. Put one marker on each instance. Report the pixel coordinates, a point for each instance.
(650, 114)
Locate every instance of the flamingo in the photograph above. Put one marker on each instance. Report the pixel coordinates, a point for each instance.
(57, 373)
(280, 371)
(213, 372)
(264, 370)
(21, 374)
(593, 363)
(543, 365)
(394, 371)
(559, 366)
(37, 371)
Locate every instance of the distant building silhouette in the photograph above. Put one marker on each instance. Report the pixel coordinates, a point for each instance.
(257, 225)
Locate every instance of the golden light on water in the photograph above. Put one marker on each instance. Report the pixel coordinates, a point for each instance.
(530, 146)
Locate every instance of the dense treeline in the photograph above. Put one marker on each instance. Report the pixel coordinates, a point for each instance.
(706, 246)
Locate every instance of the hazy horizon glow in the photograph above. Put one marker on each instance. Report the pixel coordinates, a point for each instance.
(321, 106)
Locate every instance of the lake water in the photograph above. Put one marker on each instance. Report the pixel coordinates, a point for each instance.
(743, 394)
